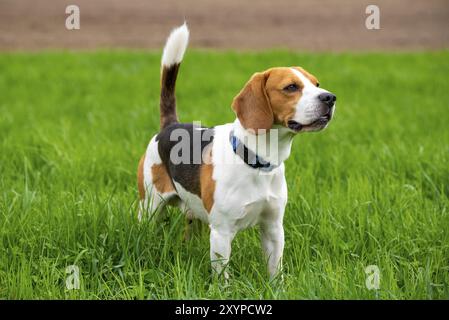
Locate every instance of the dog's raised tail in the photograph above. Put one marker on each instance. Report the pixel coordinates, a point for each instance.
(171, 60)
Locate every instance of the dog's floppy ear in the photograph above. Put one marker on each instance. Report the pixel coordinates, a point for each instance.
(252, 105)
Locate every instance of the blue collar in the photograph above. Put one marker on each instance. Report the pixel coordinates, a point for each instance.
(248, 156)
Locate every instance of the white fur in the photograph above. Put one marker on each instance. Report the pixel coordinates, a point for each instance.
(308, 106)
(175, 46)
(192, 202)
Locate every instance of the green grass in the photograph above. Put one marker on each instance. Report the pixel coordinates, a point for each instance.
(372, 189)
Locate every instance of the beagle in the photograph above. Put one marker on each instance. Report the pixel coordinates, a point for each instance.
(231, 176)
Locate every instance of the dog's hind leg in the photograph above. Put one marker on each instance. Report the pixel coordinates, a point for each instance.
(188, 229)
(156, 189)
(154, 205)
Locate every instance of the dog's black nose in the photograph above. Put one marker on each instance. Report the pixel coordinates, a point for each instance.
(328, 98)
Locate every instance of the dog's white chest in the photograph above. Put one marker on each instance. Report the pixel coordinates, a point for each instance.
(252, 213)
(242, 204)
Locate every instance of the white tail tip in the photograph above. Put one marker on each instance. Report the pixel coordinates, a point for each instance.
(175, 46)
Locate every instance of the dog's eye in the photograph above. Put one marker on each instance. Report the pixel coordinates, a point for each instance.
(291, 88)
(317, 84)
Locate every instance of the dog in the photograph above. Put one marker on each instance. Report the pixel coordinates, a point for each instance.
(233, 184)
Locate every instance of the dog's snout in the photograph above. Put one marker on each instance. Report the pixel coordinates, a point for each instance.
(327, 98)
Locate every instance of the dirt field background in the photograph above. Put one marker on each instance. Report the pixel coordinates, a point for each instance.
(301, 25)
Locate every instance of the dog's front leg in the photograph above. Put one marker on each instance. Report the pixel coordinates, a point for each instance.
(220, 249)
(272, 236)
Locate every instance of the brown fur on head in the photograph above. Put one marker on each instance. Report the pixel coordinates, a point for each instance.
(274, 97)
(252, 105)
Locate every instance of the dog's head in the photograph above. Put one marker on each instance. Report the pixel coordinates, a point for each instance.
(290, 97)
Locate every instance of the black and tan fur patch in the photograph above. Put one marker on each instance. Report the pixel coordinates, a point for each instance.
(193, 177)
